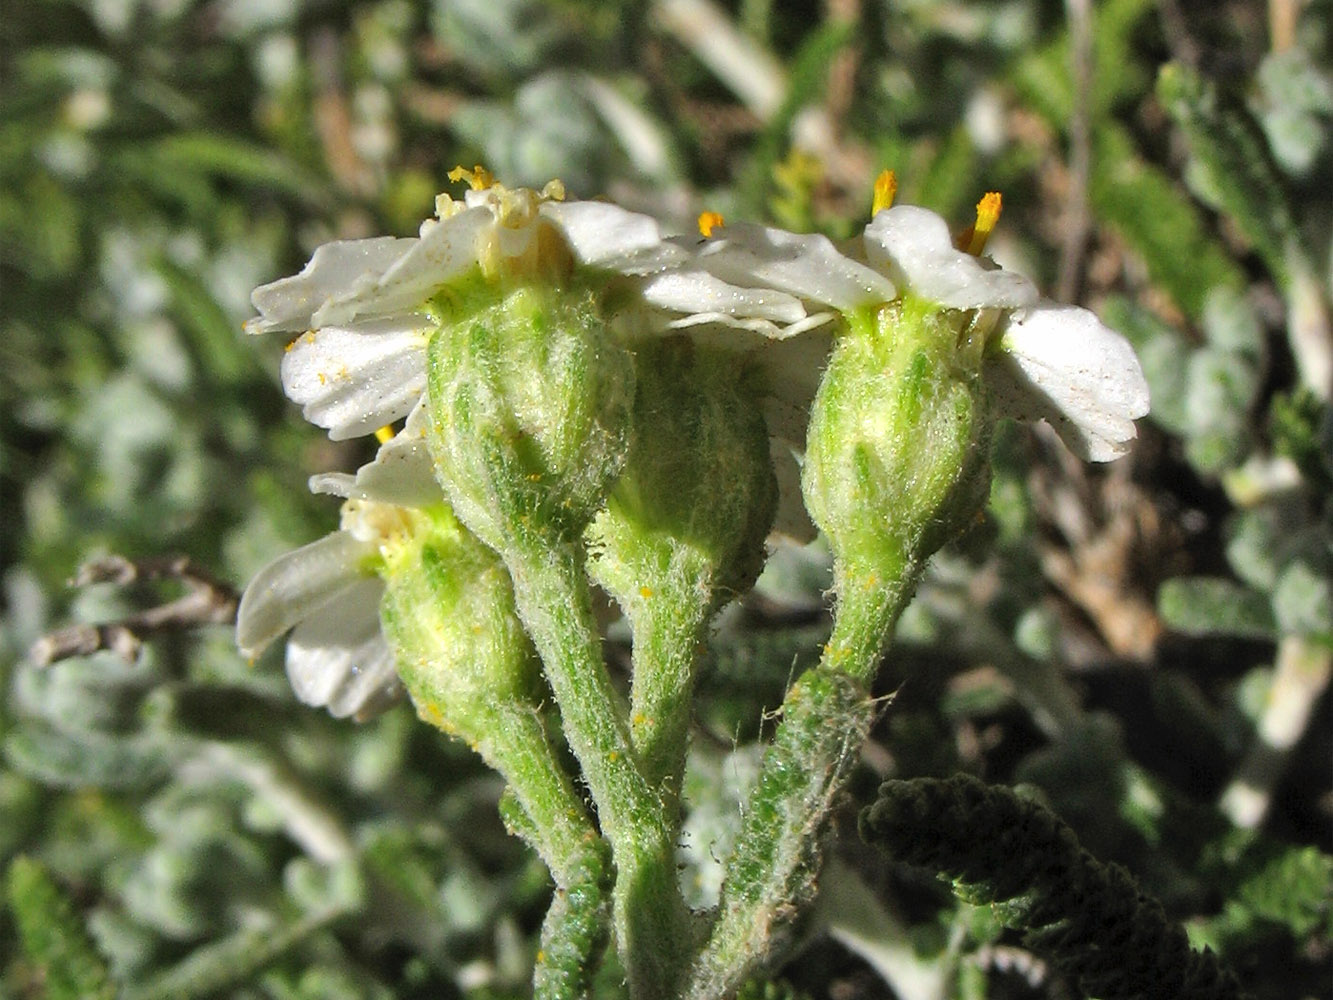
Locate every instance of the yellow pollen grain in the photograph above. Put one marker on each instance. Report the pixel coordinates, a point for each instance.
(614, 755)
(385, 434)
(886, 189)
(645, 591)
(322, 379)
(478, 178)
(708, 221)
(639, 719)
(988, 215)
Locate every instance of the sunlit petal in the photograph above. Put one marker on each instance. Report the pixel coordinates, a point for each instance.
(913, 247)
(1061, 364)
(805, 265)
(355, 380)
(294, 585)
(337, 657)
(340, 269)
(604, 235)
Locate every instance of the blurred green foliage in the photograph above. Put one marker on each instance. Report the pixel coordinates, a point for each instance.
(1116, 638)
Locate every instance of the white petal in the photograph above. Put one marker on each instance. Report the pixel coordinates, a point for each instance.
(337, 658)
(355, 380)
(807, 265)
(607, 236)
(337, 269)
(912, 245)
(691, 291)
(1062, 364)
(294, 586)
(334, 484)
(447, 250)
(722, 330)
(402, 473)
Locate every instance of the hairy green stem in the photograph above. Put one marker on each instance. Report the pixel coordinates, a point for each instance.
(772, 873)
(575, 931)
(667, 633)
(652, 922)
(867, 611)
(826, 716)
(516, 745)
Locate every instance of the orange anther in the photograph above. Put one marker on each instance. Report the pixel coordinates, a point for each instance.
(708, 221)
(886, 189)
(988, 215)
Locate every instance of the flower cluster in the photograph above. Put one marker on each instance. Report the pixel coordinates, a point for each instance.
(363, 313)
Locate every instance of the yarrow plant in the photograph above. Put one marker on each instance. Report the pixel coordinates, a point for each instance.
(587, 402)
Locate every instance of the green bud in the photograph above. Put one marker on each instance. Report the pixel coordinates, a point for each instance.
(683, 530)
(530, 401)
(697, 495)
(448, 614)
(897, 454)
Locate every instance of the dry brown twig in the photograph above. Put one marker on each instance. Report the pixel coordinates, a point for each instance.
(206, 601)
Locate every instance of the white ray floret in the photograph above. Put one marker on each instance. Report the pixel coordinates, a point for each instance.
(1043, 361)
(327, 595)
(361, 306)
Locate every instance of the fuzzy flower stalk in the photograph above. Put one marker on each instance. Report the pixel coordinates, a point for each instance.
(585, 401)
(896, 464)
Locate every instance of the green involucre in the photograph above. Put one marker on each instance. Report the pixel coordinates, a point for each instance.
(448, 613)
(530, 400)
(697, 495)
(897, 454)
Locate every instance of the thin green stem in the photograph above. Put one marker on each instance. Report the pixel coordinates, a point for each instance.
(826, 716)
(575, 931)
(553, 599)
(547, 811)
(516, 744)
(867, 611)
(668, 628)
(771, 875)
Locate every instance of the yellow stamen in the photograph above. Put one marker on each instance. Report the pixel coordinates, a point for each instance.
(708, 221)
(988, 214)
(886, 189)
(385, 434)
(478, 178)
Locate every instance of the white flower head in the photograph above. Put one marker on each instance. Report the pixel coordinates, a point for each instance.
(327, 594)
(1043, 361)
(361, 307)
